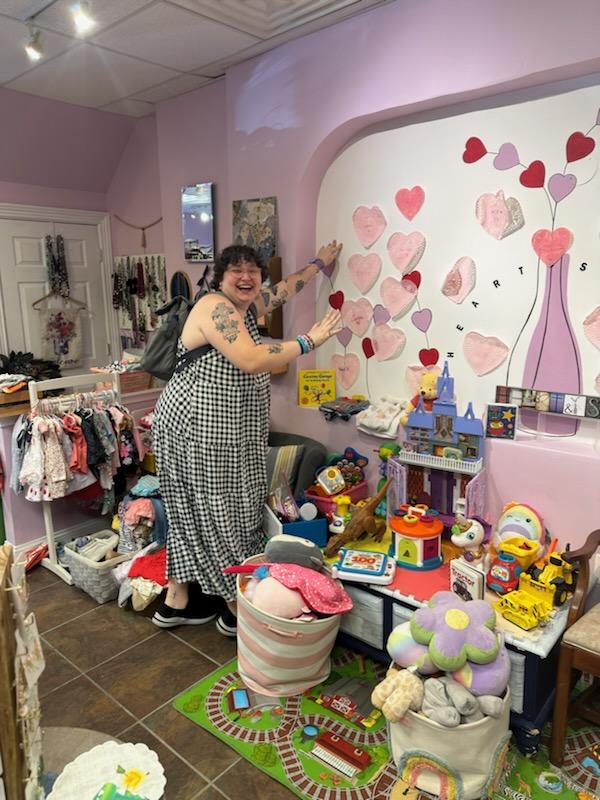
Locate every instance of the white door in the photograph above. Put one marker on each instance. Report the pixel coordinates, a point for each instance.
(24, 279)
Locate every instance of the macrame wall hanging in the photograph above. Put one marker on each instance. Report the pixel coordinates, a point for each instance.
(142, 228)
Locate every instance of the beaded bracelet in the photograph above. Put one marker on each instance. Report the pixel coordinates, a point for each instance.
(305, 342)
(318, 262)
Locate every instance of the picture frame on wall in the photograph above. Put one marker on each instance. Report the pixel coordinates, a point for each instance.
(255, 225)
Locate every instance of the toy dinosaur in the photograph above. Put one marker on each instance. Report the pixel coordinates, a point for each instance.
(363, 523)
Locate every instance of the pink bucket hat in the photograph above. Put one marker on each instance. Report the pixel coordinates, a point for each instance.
(319, 590)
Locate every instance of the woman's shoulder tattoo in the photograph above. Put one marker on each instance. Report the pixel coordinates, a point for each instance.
(222, 315)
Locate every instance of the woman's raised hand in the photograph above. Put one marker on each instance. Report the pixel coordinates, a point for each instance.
(326, 328)
(329, 252)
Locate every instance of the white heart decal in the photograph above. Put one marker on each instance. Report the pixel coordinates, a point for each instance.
(387, 342)
(483, 353)
(364, 270)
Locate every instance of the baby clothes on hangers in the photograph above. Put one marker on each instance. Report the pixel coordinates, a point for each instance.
(381, 418)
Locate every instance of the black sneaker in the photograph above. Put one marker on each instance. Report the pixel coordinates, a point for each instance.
(167, 617)
(227, 623)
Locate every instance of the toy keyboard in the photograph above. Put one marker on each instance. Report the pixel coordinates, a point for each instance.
(364, 566)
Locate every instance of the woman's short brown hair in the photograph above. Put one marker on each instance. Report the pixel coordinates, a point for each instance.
(234, 255)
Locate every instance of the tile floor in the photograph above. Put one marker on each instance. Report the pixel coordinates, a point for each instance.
(112, 670)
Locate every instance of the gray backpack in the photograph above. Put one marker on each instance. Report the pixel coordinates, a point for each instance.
(160, 356)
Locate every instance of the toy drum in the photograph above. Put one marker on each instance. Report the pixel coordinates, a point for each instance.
(281, 657)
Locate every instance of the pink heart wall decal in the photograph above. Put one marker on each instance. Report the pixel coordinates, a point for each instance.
(410, 201)
(405, 251)
(346, 369)
(369, 224)
(492, 213)
(591, 327)
(397, 296)
(422, 319)
(364, 270)
(413, 374)
(507, 156)
(561, 186)
(357, 315)
(483, 353)
(387, 342)
(550, 246)
(460, 280)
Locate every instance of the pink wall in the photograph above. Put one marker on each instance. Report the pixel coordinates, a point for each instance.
(134, 192)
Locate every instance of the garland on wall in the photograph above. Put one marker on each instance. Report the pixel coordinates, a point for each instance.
(139, 289)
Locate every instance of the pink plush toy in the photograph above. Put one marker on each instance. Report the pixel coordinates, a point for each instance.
(274, 598)
(406, 652)
(489, 678)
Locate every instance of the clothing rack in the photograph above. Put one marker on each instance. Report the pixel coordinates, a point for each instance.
(63, 403)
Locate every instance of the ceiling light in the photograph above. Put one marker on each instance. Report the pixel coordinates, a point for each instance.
(82, 18)
(33, 47)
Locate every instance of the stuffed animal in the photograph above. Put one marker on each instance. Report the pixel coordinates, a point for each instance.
(449, 704)
(468, 534)
(406, 652)
(486, 679)
(286, 549)
(520, 531)
(399, 691)
(274, 598)
(428, 392)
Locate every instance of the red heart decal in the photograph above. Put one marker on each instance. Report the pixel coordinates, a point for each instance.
(429, 357)
(474, 150)
(367, 346)
(413, 277)
(336, 300)
(534, 176)
(579, 146)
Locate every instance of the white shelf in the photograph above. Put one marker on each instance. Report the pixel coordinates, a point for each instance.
(437, 462)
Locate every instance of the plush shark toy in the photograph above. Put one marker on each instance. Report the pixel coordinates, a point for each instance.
(286, 549)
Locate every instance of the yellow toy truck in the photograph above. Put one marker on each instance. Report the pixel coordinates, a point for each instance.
(523, 608)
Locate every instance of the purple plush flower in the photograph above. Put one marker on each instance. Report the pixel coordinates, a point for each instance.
(456, 631)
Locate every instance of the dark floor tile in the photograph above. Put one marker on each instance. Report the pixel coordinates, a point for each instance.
(208, 639)
(205, 752)
(58, 604)
(80, 704)
(182, 782)
(40, 578)
(244, 780)
(56, 672)
(152, 672)
(100, 635)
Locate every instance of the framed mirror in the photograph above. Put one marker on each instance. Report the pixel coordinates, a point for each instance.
(197, 220)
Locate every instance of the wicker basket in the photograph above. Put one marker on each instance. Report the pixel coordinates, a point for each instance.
(94, 577)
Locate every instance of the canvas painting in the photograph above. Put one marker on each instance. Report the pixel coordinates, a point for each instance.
(255, 225)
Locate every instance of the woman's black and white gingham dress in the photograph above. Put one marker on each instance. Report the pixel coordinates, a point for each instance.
(210, 437)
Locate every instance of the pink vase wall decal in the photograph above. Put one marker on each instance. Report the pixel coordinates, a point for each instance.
(553, 362)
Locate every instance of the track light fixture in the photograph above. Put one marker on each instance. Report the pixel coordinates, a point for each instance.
(84, 22)
(33, 48)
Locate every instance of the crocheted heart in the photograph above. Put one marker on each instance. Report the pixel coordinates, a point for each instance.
(579, 146)
(422, 319)
(533, 177)
(492, 213)
(550, 246)
(591, 327)
(357, 315)
(507, 157)
(410, 201)
(429, 356)
(483, 353)
(397, 296)
(336, 300)
(387, 342)
(369, 224)
(561, 186)
(516, 220)
(474, 150)
(460, 280)
(364, 270)
(346, 369)
(405, 250)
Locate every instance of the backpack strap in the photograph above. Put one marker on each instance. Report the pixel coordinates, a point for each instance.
(192, 355)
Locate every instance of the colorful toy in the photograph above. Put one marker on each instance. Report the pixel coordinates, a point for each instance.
(427, 393)
(468, 534)
(364, 566)
(405, 652)
(331, 480)
(343, 408)
(456, 631)
(524, 609)
(274, 598)
(417, 532)
(557, 573)
(486, 679)
(363, 523)
(520, 532)
(504, 572)
(399, 691)
(287, 549)
(441, 431)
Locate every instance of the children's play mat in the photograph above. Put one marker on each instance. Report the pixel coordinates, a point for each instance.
(330, 744)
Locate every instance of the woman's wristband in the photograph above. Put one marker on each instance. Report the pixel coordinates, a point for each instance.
(318, 262)
(305, 342)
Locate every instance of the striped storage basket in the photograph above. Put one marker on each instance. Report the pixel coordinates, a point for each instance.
(280, 657)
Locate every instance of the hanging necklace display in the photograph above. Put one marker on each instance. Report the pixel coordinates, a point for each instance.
(139, 289)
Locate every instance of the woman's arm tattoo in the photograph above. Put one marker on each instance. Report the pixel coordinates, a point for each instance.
(227, 326)
(275, 348)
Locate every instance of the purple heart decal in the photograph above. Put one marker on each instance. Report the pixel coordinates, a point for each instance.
(380, 314)
(328, 270)
(345, 337)
(560, 186)
(507, 157)
(422, 319)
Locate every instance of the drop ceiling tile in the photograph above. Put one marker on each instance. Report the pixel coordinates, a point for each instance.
(132, 108)
(176, 38)
(90, 76)
(173, 88)
(13, 58)
(105, 12)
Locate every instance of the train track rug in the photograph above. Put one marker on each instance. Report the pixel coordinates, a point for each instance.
(330, 744)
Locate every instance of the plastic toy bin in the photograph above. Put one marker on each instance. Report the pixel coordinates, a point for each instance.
(280, 657)
(326, 504)
(458, 763)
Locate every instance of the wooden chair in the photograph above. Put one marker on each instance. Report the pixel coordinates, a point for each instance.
(579, 649)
